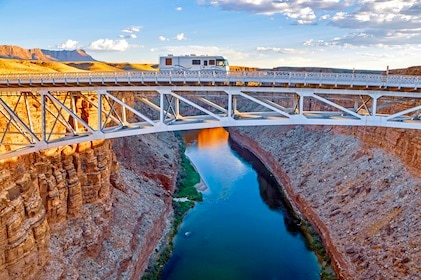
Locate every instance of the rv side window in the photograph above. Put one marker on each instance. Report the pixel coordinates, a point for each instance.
(221, 62)
(211, 62)
(168, 61)
(205, 63)
(196, 61)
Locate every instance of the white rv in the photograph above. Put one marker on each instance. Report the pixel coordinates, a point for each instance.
(193, 63)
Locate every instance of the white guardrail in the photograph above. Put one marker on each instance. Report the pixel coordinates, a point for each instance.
(351, 79)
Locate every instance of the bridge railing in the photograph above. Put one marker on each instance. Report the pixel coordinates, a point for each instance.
(356, 79)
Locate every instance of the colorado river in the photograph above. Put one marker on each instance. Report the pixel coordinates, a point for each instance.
(239, 230)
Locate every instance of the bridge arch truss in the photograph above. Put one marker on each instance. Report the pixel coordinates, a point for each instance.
(34, 118)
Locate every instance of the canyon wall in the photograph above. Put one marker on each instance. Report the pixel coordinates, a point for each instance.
(364, 201)
(41, 192)
(74, 212)
(403, 143)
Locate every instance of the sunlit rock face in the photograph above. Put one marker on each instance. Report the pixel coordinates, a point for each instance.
(364, 201)
(74, 212)
(42, 192)
(16, 52)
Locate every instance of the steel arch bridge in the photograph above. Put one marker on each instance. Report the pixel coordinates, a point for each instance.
(41, 111)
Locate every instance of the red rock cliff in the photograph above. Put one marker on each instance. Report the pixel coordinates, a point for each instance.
(73, 212)
(42, 192)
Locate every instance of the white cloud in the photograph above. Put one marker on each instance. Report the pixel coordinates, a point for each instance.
(281, 50)
(128, 36)
(339, 16)
(325, 17)
(301, 11)
(345, 41)
(379, 56)
(108, 45)
(303, 16)
(180, 37)
(68, 45)
(344, 13)
(132, 29)
(178, 9)
(384, 21)
(130, 32)
(371, 37)
(383, 14)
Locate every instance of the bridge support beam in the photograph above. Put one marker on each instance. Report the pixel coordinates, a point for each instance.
(32, 119)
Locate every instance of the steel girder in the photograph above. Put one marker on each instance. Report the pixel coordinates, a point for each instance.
(34, 119)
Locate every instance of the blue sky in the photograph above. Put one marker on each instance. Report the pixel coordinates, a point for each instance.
(360, 34)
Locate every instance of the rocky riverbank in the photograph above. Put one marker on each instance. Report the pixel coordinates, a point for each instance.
(363, 201)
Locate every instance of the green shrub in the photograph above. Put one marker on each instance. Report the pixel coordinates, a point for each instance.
(185, 187)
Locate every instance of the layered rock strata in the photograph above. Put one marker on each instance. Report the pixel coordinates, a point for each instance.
(44, 191)
(361, 199)
(74, 213)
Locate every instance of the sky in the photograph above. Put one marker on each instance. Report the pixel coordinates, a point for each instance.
(352, 34)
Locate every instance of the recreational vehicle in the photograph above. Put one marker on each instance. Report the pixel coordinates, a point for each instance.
(193, 63)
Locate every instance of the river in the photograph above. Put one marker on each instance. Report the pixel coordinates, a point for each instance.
(241, 229)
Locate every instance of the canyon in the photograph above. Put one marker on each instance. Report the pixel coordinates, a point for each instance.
(97, 210)
(359, 188)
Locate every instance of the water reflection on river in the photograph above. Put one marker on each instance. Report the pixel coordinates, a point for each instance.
(238, 231)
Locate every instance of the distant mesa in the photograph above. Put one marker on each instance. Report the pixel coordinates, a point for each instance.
(74, 55)
(15, 52)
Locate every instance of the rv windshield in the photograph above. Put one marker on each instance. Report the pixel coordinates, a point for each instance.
(222, 62)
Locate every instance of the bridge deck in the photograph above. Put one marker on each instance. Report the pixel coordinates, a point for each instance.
(194, 78)
(41, 111)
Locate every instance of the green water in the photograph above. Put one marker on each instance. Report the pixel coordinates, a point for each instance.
(240, 230)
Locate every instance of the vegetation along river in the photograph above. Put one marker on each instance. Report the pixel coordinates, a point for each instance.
(241, 229)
